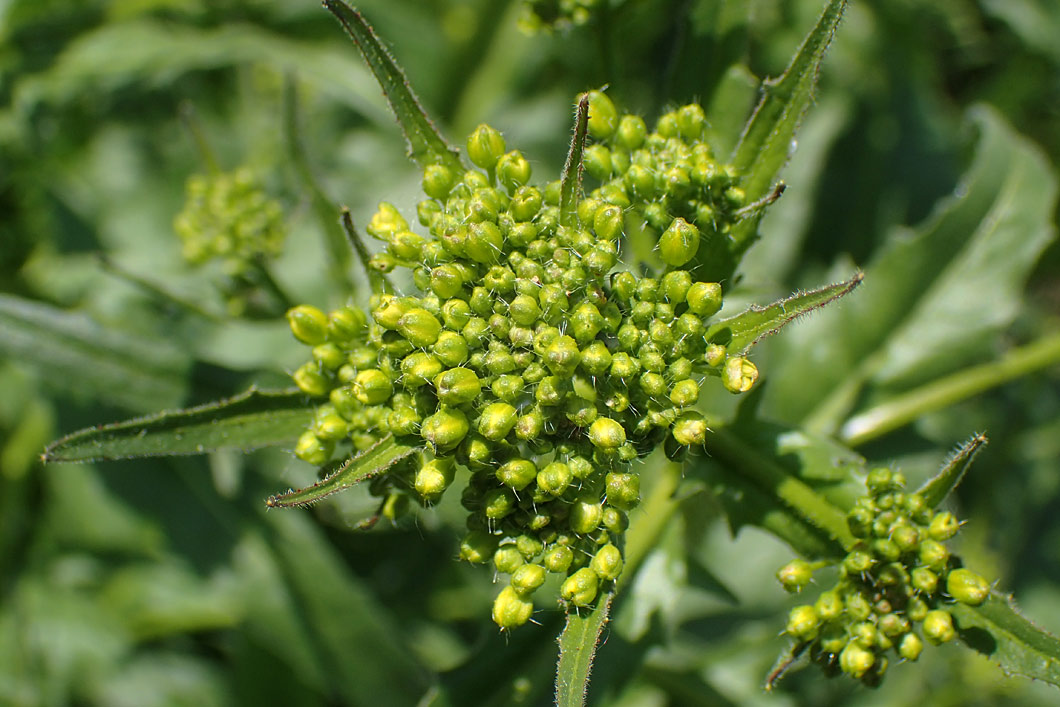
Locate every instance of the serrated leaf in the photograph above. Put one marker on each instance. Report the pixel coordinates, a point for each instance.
(577, 649)
(741, 332)
(372, 461)
(426, 145)
(938, 487)
(998, 631)
(77, 355)
(251, 420)
(765, 145)
(936, 296)
(571, 182)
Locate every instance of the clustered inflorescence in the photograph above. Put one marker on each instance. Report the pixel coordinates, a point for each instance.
(898, 575)
(557, 14)
(528, 358)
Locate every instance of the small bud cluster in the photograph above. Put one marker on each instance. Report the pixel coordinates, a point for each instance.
(541, 15)
(228, 216)
(899, 575)
(526, 359)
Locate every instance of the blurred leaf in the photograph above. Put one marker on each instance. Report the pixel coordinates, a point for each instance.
(372, 461)
(1037, 22)
(76, 355)
(577, 649)
(998, 631)
(254, 419)
(741, 332)
(426, 145)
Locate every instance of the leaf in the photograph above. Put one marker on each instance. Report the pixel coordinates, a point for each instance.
(426, 145)
(77, 355)
(571, 183)
(577, 649)
(937, 488)
(372, 461)
(998, 631)
(251, 420)
(741, 332)
(936, 296)
(765, 144)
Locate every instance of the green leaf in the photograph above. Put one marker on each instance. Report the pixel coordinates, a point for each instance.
(372, 461)
(746, 329)
(577, 649)
(251, 420)
(426, 145)
(998, 631)
(77, 355)
(936, 296)
(766, 143)
(937, 488)
(571, 183)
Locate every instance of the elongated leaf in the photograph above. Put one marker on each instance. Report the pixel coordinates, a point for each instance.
(577, 649)
(254, 419)
(937, 488)
(426, 145)
(571, 184)
(998, 631)
(77, 355)
(766, 143)
(374, 460)
(746, 329)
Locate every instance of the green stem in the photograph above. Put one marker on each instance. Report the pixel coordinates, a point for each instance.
(380, 283)
(263, 278)
(725, 447)
(899, 411)
(154, 289)
(191, 123)
(646, 527)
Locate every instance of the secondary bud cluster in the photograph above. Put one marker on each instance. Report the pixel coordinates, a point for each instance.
(899, 576)
(527, 359)
(556, 14)
(228, 216)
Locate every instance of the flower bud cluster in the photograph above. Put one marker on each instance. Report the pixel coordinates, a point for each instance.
(526, 359)
(228, 216)
(897, 577)
(541, 15)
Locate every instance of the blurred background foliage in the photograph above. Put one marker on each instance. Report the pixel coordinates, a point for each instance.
(165, 582)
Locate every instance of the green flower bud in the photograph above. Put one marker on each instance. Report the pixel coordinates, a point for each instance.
(691, 121)
(714, 355)
(652, 384)
(517, 473)
(906, 537)
(679, 243)
(485, 147)
(510, 610)
(603, 117)
(623, 490)
(606, 433)
(507, 559)
(438, 181)
(894, 625)
(420, 327)
(508, 388)
(329, 426)
(886, 550)
(858, 561)
(795, 575)
(308, 324)
(916, 609)
(529, 545)
(631, 132)
(910, 647)
(530, 426)
(857, 606)
(934, 555)
(829, 605)
(513, 170)
(608, 222)
(803, 623)
(855, 660)
(310, 380)
(478, 547)
(457, 386)
(527, 579)
(562, 356)
(390, 310)
(685, 393)
(406, 245)
(526, 203)
(704, 298)
(967, 587)
(675, 286)
(329, 355)
(445, 429)
(433, 478)
(558, 559)
(446, 281)
(585, 514)
(419, 368)
(925, 580)
(944, 525)
(497, 421)
(554, 478)
(498, 503)
(938, 627)
(607, 562)
(581, 587)
(404, 421)
(386, 222)
(484, 242)
(312, 449)
(739, 374)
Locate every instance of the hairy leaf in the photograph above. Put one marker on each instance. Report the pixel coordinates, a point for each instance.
(746, 329)
(577, 649)
(937, 488)
(571, 184)
(998, 631)
(426, 145)
(374, 460)
(254, 419)
(77, 355)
